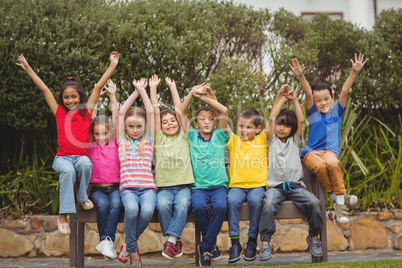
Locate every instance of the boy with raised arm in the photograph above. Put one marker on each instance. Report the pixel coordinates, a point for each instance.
(321, 153)
(207, 151)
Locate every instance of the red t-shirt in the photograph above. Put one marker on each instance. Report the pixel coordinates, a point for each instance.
(73, 132)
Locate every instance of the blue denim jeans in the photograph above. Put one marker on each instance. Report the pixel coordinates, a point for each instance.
(236, 197)
(303, 199)
(209, 226)
(108, 205)
(69, 167)
(139, 206)
(172, 204)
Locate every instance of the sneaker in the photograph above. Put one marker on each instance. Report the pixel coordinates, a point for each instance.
(216, 254)
(169, 250)
(251, 251)
(106, 247)
(63, 228)
(350, 200)
(265, 252)
(179, 249)
(234, 253)
(87, 205)
(315, 246)
(341, 213)
(204, 257)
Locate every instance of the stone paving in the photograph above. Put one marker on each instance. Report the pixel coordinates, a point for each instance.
(188, 260)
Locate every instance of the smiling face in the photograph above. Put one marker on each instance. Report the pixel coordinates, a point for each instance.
(283, 131)
(71, 98)
(169, 125)
(135, 127)
(101, 134)
(247, 129)
(205, 122)
(323, 101)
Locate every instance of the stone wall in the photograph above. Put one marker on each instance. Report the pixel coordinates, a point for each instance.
(35, 236)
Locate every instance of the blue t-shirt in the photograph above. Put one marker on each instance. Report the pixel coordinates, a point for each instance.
(325, 130)
(208, 158)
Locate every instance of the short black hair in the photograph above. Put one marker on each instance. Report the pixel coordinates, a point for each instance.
(204, 108)
(288, 117)
(321, 86)
(252, 114)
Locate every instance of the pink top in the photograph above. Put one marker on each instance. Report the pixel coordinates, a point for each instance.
(72, 132)
(105, 162)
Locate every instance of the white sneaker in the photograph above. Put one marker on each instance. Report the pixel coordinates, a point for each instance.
(106, 247)
(350, 200)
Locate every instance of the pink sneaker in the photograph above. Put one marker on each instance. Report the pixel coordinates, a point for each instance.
(87, 205)
(179, 249)
(63, 228)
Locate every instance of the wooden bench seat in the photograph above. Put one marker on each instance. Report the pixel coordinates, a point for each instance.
(287, 211)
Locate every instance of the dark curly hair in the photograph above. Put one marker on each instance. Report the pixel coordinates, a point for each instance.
(72, 82)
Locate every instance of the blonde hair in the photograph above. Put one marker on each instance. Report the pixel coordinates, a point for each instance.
(140, 112)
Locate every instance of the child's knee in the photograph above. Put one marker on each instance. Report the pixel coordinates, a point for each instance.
(333, 162)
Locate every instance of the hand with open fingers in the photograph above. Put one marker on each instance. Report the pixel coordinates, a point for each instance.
(114, 57)
(154, 81)
(142, 83)
(296, 68)
(111, 87)
(23, 62)
(170, 82)
(358, 64)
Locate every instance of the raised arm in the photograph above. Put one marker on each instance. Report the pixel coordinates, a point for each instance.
(298, 71)
(222, 110)
(50, 100)
(182, 117)
(357, 65)
(282, 92)
(93, 99)
(153, 85)
(120, 127)
(140, 86)
(270, 130)
(182, 111)
(291, 95)
(95, 110)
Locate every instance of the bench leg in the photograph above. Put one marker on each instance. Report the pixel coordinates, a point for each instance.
(73, 241)
(197, 242)
(80, 244)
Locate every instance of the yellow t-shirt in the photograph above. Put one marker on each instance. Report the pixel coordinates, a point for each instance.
(248, 161)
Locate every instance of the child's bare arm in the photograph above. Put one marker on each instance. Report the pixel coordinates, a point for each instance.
(95, 110)
(111, 90)
(93, 99)
(182, 110)
(222, 110)
(153, 85)
(50, 100)
(291, 95)
(270, 129)
(173, 90)
(140, 86)
(120, 127)
(281, 93)
(298, 71)
(357, 65)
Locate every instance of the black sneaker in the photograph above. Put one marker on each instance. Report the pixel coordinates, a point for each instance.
(216, 254)
(251, 251)
(204, 257)
(315, 246)
(234, 253)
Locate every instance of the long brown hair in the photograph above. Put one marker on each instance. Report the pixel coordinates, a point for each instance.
(140, 112)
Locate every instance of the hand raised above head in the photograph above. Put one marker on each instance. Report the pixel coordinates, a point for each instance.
(290, 95)
(142, 83)
(111, 87)
(284, 89)
(23, 62)
(358, 64)
(114, 57)
(296, 68)
(154, 81)
(199, 89)
(170, 82)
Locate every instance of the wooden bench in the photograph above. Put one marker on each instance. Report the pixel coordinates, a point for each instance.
(287, 211)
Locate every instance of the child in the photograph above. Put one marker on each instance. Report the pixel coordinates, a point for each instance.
(321, 153)
(137, 185)
(207, 151)
(72, 114)
(285, 173)
(248, 178)
(173, 174)
(105, 176)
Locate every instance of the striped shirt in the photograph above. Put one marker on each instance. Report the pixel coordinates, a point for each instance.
(136, 169)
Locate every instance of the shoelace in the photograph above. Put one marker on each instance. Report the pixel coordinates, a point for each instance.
(262, 249)
(206, 255)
